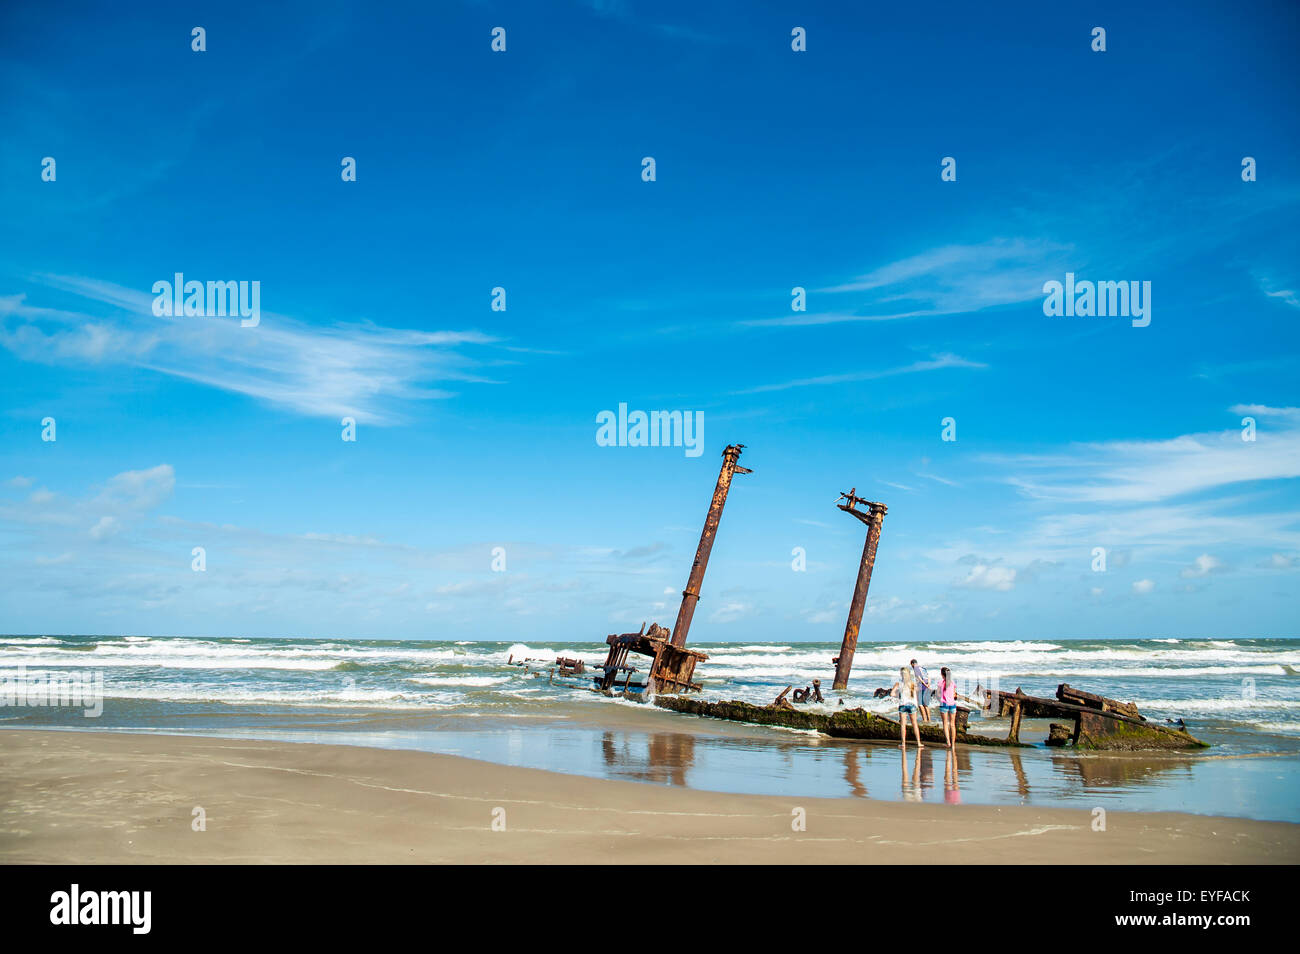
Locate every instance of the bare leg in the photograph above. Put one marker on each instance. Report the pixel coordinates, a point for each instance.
(916, 729)
(902, 731)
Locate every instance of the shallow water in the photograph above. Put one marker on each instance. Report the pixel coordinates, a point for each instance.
(1243, 696)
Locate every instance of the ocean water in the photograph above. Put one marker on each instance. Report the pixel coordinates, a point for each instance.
(476, 699)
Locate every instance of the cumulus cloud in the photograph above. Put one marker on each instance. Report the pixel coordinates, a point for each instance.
(105, 528)
(137, 490)
(1203, 565)
(986, 576)
(731, 611)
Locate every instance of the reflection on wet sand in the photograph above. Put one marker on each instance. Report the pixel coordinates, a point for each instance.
(1110, 771)
(1022, 780)
(918, 771)
(952, 777)
(667, 756)
(921, 777)
(925, 768)
(798, 765)
(853, 770)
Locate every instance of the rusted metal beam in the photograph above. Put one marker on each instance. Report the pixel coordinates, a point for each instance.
(691, 595)
(1017, 711)
(1086, 699)
(872, 517)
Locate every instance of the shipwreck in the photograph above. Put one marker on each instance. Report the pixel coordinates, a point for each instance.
(1092, 722)
(1096, 722)
(655, 664)
(671, 665)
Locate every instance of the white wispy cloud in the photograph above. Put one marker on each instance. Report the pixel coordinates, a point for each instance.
(364, 370)
(1207, 501)
(1273, 289)
(1176, 526)
(938, 479)
(934, 363)
(621, 11)
(897, 486)
(950, 280)
(1148, 471)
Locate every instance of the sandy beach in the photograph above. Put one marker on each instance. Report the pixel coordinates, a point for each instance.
(95, 797)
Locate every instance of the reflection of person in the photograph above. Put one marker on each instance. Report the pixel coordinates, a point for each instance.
(911, 788)
(925, 769)
(922, 690)
(905, 690)
(948, 705)
(951, 782)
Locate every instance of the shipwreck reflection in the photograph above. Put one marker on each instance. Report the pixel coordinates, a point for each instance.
(663, 758)
(1121, 771)
(853, 769)
(1018, 767)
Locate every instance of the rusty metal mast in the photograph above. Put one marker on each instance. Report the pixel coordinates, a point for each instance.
(874, 516)
(691, 595)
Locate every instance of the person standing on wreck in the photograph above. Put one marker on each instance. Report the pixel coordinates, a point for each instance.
(922, 690)
(905, 690)
(948, 706)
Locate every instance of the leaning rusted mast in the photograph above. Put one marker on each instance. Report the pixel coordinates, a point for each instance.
(872, 518)
(691, 595)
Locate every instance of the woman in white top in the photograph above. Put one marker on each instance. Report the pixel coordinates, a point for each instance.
(905, 689)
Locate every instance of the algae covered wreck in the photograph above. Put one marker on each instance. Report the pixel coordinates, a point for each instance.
(1096, 727)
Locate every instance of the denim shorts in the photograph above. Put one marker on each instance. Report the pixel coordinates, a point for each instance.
(951, 708)
(905, 709)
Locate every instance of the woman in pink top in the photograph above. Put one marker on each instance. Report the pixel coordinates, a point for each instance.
(948, 705)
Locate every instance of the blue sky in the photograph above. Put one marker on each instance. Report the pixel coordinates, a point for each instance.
(774, 169)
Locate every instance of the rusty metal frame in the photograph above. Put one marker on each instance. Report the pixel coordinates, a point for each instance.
(672, 666)
(872, 517)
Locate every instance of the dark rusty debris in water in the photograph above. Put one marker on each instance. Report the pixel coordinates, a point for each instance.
(570, 667)
(670, 667)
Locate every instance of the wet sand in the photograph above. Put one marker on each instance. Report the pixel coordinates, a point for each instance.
(82, 797)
